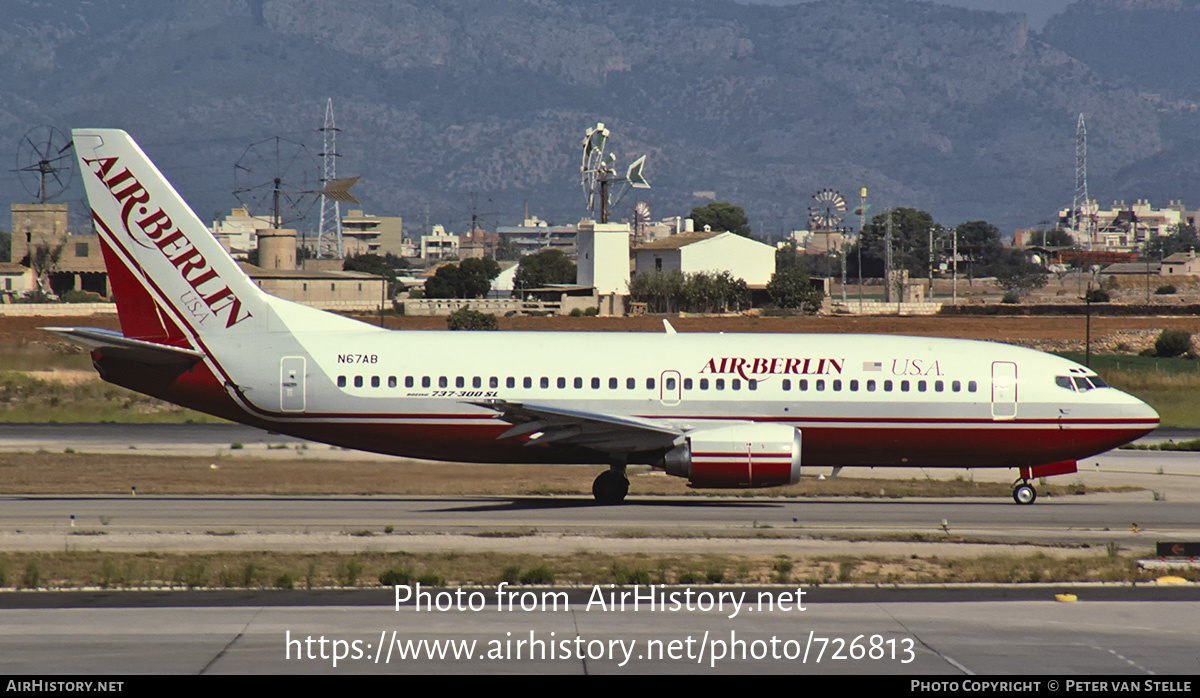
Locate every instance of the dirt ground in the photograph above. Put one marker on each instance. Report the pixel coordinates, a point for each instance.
(21, 332)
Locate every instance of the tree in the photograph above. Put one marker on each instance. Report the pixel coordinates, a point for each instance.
(1054, 237)
(471, 278)
(722, 216)
(43, 260)
(791, 288)
(910, 240)
(674, 291)
(543, 268)
(5, 244)
(1014, 272)
(1183, 239)
(372, 264)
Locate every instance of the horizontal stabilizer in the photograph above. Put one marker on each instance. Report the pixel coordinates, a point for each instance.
(137, 349)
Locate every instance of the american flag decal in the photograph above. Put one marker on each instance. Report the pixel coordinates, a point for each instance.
(872, 365)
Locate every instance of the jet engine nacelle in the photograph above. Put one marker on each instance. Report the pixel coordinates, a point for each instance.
(748, 455)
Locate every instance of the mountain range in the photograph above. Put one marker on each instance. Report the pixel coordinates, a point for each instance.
(461, 107)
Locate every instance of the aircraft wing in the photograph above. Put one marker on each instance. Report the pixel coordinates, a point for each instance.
(594, 430)
(117, 343)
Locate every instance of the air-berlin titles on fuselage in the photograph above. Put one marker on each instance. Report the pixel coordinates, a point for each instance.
(761, 366)
(170, 240)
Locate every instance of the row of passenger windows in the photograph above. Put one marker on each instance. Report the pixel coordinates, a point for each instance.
(544, 382)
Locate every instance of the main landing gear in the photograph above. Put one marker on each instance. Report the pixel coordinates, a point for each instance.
(611, 486)
(1023, 492)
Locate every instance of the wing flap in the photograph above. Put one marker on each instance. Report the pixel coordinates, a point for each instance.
(594, 430)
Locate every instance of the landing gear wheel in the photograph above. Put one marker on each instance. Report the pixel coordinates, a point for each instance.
(610, 487)
(1023, 493)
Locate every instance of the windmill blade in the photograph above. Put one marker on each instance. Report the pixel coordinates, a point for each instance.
(339, 190)
(634, 174)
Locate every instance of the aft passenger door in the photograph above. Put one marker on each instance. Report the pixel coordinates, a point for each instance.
(1004, 390)
(291, 384)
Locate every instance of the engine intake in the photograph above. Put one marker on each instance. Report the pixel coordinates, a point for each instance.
(748, 455)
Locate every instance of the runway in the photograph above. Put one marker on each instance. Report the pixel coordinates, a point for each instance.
(873, 636)
(963, 631)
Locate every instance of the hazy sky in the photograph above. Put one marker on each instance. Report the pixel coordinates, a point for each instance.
(1038, 11)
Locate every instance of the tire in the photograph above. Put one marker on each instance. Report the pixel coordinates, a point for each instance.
(1024, 494)
(610, 488)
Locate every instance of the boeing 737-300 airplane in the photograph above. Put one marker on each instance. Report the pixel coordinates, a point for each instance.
(722, 410)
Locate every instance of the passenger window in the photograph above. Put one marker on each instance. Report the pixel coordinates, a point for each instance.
(341, 381)
(595, 383)
(736, 384)
(854, 386)
(459, 382)
(820, 384)
(392, 382)
(476, 382)
(837, 384)
(938, 386)
(358, 381)
(510, 382)
(562, 382)
(493, 382)
(630, 383)
(670, 384)
(887, 386)
(904, 386)
(972, 386)
(578, 382)
(920, 386)
(426, 382)
(956, 386)
(704, 384)
(545, 382)
(720, 384)
(408, 381)
(803, 383)
(528, 382)
(752, 383)
(787, 384)
(374, 381)
(687, 383)
(612, 383)
(649, 384)
(871, 385)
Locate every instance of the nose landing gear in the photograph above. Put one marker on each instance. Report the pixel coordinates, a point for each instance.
(1023, 492)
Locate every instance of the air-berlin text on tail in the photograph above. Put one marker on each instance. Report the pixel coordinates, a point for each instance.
(759, 366)
(156, 225)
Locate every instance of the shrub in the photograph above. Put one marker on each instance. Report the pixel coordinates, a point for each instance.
(1171, 343)
(1165, 290)
(591, 312)
(1011, 297)
(1096, 295)
(395, 576)
(538, 575)
(467, 319)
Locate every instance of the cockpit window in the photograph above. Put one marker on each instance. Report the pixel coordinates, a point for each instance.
(1081, 383)
(1063, 382)
(1096, 381)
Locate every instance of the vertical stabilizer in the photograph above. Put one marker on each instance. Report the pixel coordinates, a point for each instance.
(161, 257)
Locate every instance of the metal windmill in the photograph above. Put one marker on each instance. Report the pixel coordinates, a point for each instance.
(825, 215)
(597, 174)
(280, 178)
(44, 164)
(641, 218)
